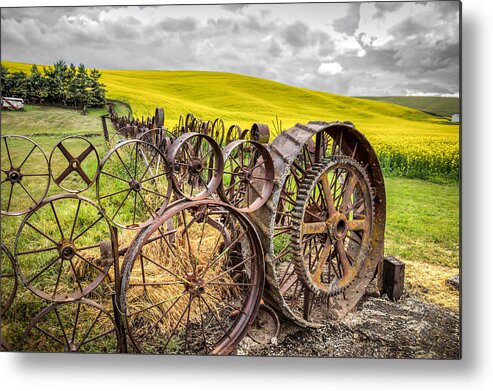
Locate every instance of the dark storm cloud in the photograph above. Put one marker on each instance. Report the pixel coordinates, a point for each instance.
(296, 34)
(419, 53)
(349, 23)
(384, 8)
(236, 8)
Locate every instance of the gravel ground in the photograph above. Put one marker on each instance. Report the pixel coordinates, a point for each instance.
(376, 328)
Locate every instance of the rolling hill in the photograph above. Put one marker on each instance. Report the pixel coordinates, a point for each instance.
(441, 106)
(409, 141)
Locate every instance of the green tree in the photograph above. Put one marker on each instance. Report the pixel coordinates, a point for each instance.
(36, 86)
(18, 85)
(4, 81)
(97, 89)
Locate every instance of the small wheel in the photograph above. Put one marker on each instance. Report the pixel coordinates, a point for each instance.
(266, 327)
(234, 133)
(248, 176)
(158, 137)
(8, 279)
(82, 326)
(333, 220)
(197, 165)
(189, 120)
(244, 134)
(196, 125)
(260, 133)
(133, 184)
(25, 175)
(206, 127)
(57, 248)
(180, 128)
(185, 290)
(74, 164)
(129, 131)
(218, 130)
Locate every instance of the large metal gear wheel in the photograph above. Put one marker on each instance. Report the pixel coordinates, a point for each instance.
(332, 223)
(295, 152)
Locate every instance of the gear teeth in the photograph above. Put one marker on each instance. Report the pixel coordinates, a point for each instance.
(307, 186)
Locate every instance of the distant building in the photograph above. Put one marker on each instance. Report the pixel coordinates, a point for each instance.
(456, 118)
(12, 103)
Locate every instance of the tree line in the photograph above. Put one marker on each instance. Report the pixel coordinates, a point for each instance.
(60, 84)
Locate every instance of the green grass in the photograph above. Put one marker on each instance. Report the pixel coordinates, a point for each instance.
(410, 142)
(422, 221)
(441, 106)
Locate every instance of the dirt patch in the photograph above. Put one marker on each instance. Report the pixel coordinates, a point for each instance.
(377, 328)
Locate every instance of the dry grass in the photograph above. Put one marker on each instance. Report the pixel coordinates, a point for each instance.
(204, 247)
(429, 282)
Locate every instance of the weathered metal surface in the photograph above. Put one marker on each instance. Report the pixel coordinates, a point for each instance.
(22, 160)
(293, 155)
(75, 327)
(266, 327)
(197, 165)
(248, 176)
(74, 164)
(128, 171)
(260, 133)
(61, 246)
(200, 274)
(393, 277)
(8, 276)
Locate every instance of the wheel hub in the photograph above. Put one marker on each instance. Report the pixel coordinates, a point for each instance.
(75, 164)
(337, 226)
(14, 175)
(135, 185)
(247, 175)
(194, 284)
(196, 166)
(67, 250)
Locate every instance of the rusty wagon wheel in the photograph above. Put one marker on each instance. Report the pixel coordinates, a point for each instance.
(57, 248)
(74, 164)
(333, 221)
(294, 152)
(133, 184)
(266, 327)
(218, 131)
(186, 291)
(82, 326)
(8, 276)
(248, 176)
(25, 175)
(234, 133)
(197, 165)
(189, 121)
(158, 137)
(260, 133)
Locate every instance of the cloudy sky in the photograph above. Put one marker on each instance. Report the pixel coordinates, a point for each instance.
(352, 49)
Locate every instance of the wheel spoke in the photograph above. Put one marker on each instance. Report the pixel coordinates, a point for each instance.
(328, 195)
(357, 225)
(343, 257)
(27, 157)
(36, 276)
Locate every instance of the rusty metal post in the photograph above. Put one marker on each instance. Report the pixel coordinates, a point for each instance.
(105, 128)
(393, 278)
(122, 343)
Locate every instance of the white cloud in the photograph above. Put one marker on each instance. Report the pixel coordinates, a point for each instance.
(329, 68)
